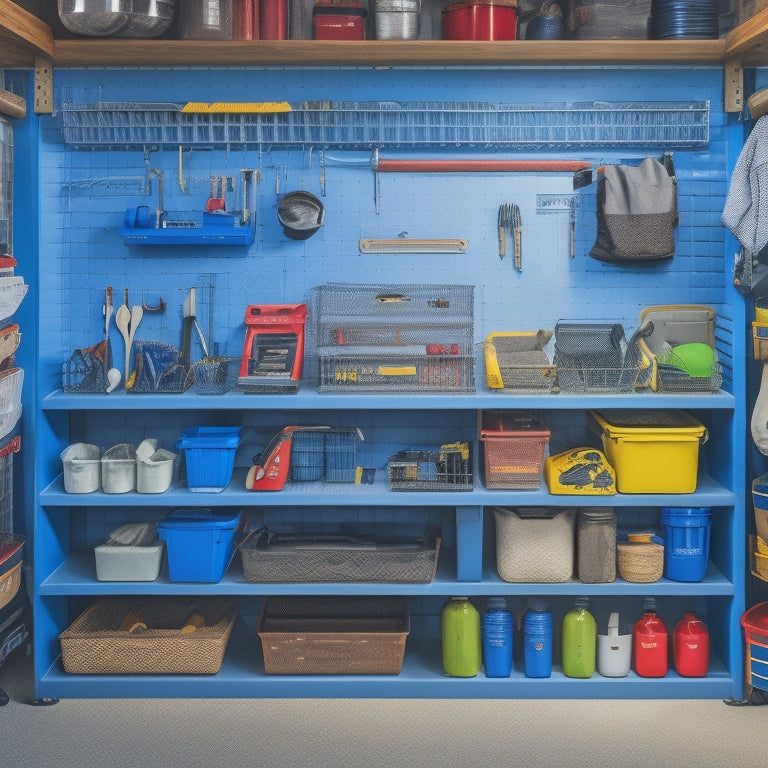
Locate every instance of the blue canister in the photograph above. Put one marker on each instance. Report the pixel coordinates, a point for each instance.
(686, 542)
(537, 640)
(497, 631)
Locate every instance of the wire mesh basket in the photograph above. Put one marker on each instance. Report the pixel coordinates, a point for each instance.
(595, 357)
(159, 369)
(86, 369)
(307, 456)
(448, 468)
(215, 375)
(11, 384)
(517, 361)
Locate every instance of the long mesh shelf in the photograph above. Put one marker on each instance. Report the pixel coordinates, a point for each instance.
(365, 125)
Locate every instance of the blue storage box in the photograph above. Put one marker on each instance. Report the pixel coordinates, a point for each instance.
(199, 543)
(210, 457)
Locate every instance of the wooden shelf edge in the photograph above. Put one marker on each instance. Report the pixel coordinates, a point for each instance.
(23, 37)
(749, 41)
(74, 53)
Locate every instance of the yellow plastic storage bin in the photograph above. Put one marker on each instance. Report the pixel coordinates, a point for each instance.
(651, 451)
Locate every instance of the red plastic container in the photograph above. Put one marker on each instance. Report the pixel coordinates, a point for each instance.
(481, 20)
(691, 646)
(338, 22)
(651, 646)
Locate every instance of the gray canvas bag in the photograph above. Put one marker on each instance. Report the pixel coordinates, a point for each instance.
(636, 212)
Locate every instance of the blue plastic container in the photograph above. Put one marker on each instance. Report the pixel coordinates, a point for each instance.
(686, 542)
(210, 457)
(537, 642)
(497, 631)
(199, 543)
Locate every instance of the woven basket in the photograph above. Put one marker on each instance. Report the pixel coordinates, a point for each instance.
(94, 645)
(641, 562)
(343, 635)
(277, 559)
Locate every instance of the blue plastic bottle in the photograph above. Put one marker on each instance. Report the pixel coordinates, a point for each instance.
(497, 632)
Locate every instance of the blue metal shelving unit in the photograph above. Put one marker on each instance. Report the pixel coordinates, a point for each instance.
(81, 252)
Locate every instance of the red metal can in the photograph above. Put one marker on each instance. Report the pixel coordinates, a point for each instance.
(338, 22)
(481, 20)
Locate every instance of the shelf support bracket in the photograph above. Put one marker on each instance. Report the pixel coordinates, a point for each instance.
(734, 86)
(43, 87)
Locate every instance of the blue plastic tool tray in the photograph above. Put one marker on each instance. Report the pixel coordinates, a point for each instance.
(193, 228)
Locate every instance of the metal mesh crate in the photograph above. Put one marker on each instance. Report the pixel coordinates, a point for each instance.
(517, 361)
(448, 468)
(410, 338)
(380, 372)
(513, 445)
(595, 356)
(420, 305)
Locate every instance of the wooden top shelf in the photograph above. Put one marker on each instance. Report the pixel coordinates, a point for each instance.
(25, 38)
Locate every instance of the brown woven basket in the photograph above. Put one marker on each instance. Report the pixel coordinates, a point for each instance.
(641, 562)
(343, 635)
(94, 644)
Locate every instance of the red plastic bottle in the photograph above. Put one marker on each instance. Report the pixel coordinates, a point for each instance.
(650, 643)
(691, 646)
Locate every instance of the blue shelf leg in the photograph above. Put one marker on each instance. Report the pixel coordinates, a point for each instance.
(469, 543)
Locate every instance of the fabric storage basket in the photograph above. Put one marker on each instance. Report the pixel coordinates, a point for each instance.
(279, 558)
(199, 543)
(652, 452)
(513, 445)
(341, 635)
(95, 644)
(534, 544)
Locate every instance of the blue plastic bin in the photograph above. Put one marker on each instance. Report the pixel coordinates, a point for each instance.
(199, 543)
(210, 457)
(686, 542)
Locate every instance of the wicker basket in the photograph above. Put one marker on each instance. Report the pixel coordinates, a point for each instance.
(11, 553)
(94, 644)
(343, 635)
(641, 562)
(271, 559)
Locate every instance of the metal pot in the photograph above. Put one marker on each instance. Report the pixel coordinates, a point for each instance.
(481, 20)
(301, 214)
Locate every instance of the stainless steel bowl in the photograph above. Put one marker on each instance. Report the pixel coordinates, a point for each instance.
(148, 18)
(94, 18)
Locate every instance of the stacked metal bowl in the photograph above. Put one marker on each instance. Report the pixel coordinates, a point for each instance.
(116, 18)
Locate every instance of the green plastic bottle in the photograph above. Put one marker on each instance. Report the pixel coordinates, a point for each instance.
(462, 647)
(579, 640)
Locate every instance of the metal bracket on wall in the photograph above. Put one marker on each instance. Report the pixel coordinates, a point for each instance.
(43, 87)
(733, 95)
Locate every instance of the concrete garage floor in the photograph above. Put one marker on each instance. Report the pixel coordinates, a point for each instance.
(372, 733)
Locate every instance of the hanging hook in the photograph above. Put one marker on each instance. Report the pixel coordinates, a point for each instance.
(159, 308)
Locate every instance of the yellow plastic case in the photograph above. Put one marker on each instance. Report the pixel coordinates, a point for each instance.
(580, 472)
(651, 451)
